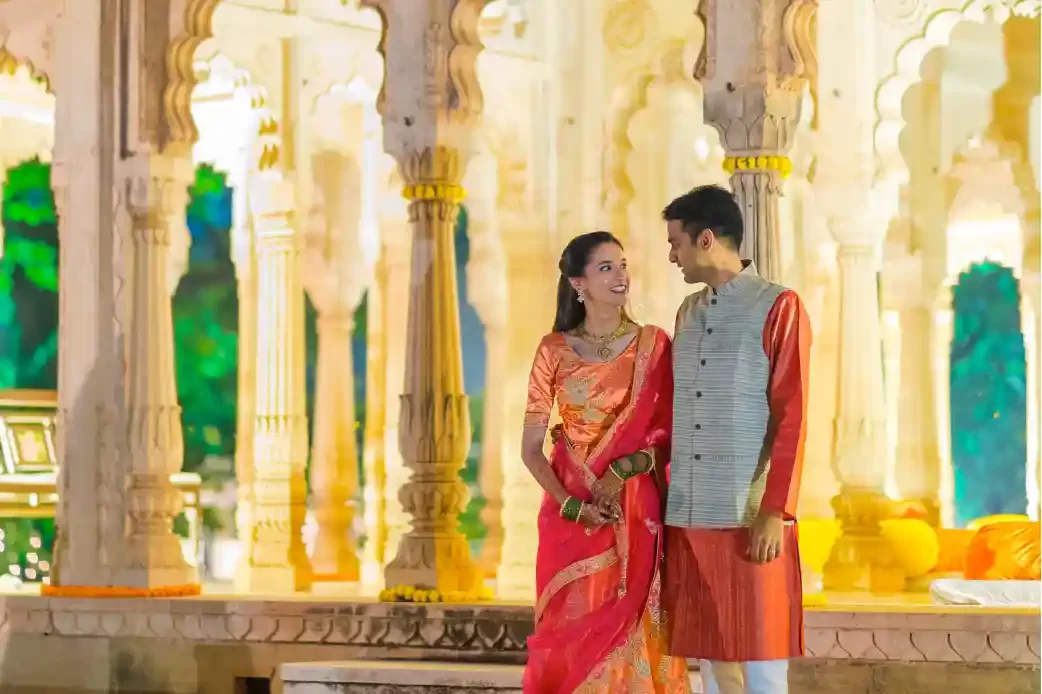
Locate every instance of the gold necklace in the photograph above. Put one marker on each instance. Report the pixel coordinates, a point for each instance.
(603, 340)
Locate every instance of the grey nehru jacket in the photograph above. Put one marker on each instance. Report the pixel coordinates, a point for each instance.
(720, 410)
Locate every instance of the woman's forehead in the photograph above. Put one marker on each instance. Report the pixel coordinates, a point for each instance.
(606, 252)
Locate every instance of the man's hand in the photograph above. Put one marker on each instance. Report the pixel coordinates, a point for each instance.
(765, 538)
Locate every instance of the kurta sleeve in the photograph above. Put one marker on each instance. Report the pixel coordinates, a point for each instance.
(786, 341)
(541, 384)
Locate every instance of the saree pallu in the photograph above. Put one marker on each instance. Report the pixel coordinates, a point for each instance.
(599, 624)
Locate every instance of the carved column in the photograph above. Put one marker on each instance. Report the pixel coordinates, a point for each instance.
(918, 464)
(754, 67)
(334, 466)
(858, 215)
(395, 251)
(335, 278)
(428, 110)
(246, 396)
(860, 448)
(374, 507)
(486, 292)
(157, 192)
(277, 562)
(119, 419)
(92, 324)
(531, 284)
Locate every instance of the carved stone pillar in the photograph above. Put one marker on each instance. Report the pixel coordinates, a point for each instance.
(334, 462)
(277, 562)
(753, 68)
(490, 467)
(487, 293)
(428, 110)
(246, 395)
(374, 506)
(91, 440)
(858, 215)
(335, 279)
(860, 444)
(918, 464)
(157, 192)
(396, 249)
(531, 285)
(119, 420)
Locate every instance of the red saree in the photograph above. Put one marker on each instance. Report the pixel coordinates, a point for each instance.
(598, 618)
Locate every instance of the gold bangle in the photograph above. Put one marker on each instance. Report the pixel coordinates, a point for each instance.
(650, 452)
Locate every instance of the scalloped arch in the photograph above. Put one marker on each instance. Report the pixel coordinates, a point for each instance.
(907, 63)
(222, 67)
(197, 28)
(9, 63)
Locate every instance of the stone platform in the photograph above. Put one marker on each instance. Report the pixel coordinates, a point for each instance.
(216, 644)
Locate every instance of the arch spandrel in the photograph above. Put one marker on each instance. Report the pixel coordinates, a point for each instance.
(915, 40)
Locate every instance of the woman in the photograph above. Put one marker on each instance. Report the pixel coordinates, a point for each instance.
(598, 619)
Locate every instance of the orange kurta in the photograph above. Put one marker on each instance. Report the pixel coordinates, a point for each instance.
(723, 606)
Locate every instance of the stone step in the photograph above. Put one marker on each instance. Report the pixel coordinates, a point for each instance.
(406, 677)
(399, 677)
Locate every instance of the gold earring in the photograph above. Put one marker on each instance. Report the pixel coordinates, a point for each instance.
(582, 295)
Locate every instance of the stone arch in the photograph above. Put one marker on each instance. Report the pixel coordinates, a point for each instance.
(220, 70)
(344, 125)
(11, 64)
(936, 32)
(193, 29)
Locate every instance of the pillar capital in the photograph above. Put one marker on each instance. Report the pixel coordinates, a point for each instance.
(434, 102)
(756, 60)
(754, 66)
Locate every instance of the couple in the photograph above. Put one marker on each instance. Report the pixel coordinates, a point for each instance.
(667, 531)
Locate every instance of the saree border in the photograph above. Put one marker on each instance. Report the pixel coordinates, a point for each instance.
(572, 573)
(645, 350)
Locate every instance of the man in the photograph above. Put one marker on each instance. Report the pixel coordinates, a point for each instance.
(740, 352)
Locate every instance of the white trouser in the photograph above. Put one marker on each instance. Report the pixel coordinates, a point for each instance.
(756, 677)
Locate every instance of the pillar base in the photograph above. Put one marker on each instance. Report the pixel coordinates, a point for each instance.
(862, 559)
(442, 562)
(335, 558)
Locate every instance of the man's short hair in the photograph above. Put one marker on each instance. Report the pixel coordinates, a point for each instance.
(708, 207)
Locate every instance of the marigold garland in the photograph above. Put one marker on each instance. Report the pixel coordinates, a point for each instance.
(434, 191)
(779, 164)
(187, 590)
(406, 593)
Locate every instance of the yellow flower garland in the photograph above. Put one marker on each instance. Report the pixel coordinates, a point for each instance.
(781, 165)
(406, 593)
(436, 191)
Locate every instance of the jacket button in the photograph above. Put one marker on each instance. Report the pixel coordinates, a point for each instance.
(713, 302)
(698, 457)
(710, 331)
(698, 427)
(703, 362)
(698, 394)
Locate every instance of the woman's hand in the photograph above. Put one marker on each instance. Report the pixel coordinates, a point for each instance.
(606, 492)
(593, 517)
